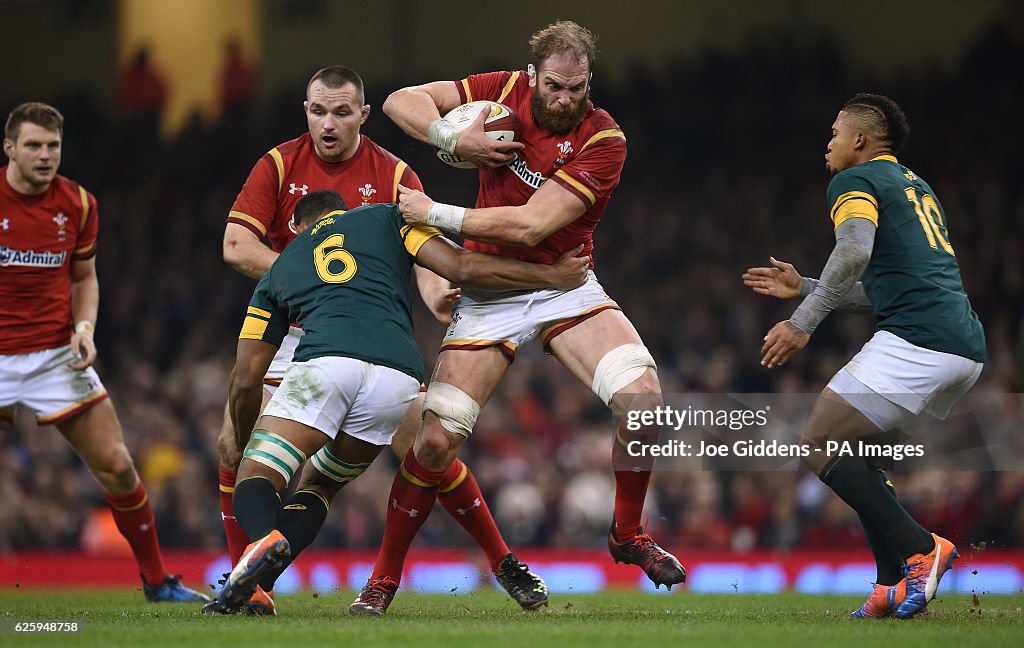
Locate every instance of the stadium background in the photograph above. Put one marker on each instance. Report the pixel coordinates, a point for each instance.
(726, 107)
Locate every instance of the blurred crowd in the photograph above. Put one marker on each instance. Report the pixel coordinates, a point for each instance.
(725, 168)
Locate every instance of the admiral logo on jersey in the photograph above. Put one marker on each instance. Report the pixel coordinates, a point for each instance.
(31, 258)
(533, 178)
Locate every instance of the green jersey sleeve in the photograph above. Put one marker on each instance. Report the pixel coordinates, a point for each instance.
(851, 195)
(265, 319)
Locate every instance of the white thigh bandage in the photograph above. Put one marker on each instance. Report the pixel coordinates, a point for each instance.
(274, 452)
(455, 408)
(619, 367)
(333, 468)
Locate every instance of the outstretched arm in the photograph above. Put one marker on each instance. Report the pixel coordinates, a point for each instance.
(548, 210)
(783, 281)
(855, 239)
(489, 271)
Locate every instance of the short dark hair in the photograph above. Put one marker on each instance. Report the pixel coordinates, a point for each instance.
(33, 112)
(335, 76)
(316, 205)
(883, 115)
(563, 36)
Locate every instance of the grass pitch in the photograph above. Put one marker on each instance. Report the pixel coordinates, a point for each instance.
(491, 619)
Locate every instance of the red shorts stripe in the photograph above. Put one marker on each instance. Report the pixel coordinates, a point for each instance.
(552, 332)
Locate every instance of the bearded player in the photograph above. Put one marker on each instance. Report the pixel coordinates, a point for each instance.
(334, 155)
(538, 198)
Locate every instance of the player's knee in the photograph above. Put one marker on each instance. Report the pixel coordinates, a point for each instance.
(456, 411)
(116, 471)
(436, 447)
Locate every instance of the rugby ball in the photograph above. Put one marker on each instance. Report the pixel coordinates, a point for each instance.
(502, 124)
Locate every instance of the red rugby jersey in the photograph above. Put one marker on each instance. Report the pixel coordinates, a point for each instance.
(39, 237)
(291, 170)
(587, 161)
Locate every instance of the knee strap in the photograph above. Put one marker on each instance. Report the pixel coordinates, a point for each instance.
(274, 452)
(333, 468)
(455, 408)
(618, 368)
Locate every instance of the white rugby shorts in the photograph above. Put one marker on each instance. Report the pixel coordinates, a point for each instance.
(283, 358)
(511, 319)
(894, 383)
(333, 394)
(43, 382)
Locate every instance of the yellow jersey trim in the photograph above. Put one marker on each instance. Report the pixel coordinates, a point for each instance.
(253, 328)
(249, 219)
(85, 206)
(600, 135)
(855, 208)
(399, 170)
(889, 158)
(852, 195)
(252, 310)
(577, 185)
(279, 161)
(465, 86)
(415, 237)
(85, 249)
(508, 86)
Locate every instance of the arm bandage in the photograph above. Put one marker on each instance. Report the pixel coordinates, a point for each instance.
(455, 408)
(618, 368)
(443, 135)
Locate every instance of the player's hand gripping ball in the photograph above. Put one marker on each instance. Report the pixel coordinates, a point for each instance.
(501, 124)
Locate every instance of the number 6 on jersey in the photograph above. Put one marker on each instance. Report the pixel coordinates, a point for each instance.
(332, 250)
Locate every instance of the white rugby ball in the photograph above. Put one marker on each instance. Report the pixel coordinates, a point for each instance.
(502, 124)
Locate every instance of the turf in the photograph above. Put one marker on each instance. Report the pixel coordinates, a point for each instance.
(491, 619)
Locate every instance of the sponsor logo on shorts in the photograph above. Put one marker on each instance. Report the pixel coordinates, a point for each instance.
(31, 258)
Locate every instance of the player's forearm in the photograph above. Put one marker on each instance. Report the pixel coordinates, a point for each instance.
(503, 226)
(489, 271)
(854, 242)
(412, 110)
(249, 256)
(244, 402)
(85, 299)
(854, 301)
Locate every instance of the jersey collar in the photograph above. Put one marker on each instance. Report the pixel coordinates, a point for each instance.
(888, 158)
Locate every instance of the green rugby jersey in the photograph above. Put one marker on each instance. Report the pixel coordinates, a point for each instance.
(913, 279)
(345, 281)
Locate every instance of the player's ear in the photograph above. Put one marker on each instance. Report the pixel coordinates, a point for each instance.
(305, 107)
(860, 141)
(8, 147)
(364, 112)
(531, 72)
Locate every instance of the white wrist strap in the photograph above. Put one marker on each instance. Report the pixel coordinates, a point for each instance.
(446, 217)
(85, 326)
(443, 135)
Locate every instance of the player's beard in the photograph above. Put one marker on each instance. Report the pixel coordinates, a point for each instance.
(558, 121)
